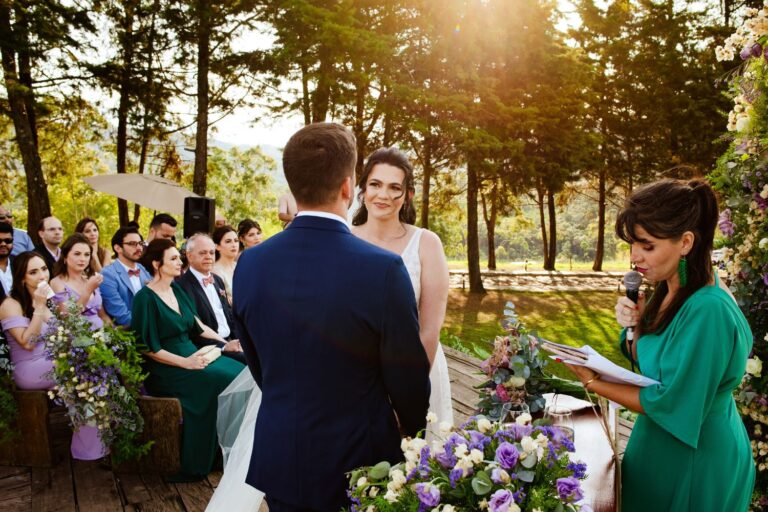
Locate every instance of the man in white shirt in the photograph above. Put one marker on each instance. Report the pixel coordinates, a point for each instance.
(6, 248)
(125, 276)
(208, 292)
(21, 240)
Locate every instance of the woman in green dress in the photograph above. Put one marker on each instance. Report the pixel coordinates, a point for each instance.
(689, 449)
(164, 319)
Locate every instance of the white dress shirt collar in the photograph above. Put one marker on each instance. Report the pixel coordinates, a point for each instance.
(325, 215)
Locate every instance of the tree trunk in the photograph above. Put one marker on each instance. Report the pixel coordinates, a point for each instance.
(122, 109)
(543, 224)
(306, 105)
(600, 248)
(200, 176)
(359, 128)
(473, 241)
(550, 264)
(38, 204)
(322, 93)
(490, 223)
(426, 184)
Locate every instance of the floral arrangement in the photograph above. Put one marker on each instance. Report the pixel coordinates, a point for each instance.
(515, 371)
(98, 377)
(481, 466)
(741, 177)
(9, 409)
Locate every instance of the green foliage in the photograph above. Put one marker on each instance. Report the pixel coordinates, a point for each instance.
(9, 409)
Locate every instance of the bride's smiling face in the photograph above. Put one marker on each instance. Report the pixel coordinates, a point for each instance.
(385, 191)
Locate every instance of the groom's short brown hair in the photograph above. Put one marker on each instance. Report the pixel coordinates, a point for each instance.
(317, 160)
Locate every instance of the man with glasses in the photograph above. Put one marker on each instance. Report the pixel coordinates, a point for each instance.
(6, 248)
(21, 240)
(51, 232)
(124, 277)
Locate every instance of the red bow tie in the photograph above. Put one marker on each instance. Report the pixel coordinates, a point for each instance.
(207, 280)
(134, 273)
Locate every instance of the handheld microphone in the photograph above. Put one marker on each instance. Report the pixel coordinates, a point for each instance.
(632, 282)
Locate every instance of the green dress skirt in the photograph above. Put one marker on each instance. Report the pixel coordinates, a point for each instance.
(159, 327)
(690, 450)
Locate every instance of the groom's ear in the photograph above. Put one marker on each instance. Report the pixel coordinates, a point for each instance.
(348, 188)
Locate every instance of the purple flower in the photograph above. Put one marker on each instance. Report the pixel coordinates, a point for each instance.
(569, 489)
(507, 455)
(428, 494)
(725, 224)
(500, 501)
(761, 203)
(455, 475)
(756, 50)
(579, 469)
(745, 53)
(478, 440)
(765, 279)
(496, 476)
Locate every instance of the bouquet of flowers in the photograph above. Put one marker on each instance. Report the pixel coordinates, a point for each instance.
(515, 372)
(482, 466)
(98, 377)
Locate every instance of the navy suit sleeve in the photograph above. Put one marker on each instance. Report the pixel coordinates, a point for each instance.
(405, 365)
(251, 356)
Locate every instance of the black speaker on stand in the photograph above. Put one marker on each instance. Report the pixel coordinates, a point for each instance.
(199, 215)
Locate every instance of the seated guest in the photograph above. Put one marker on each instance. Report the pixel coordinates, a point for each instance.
(100, 257)
(162, 226)
(227, 251)
(73, 278)
(125, 276)
(24, 315)
(209, 295)
(249, 233)
(6, 249)
(22, 241)
(164, 320)
(51, 233)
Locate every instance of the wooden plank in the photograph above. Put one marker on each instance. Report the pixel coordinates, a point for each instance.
(6, 471)
(163, 496)
(52, 489)
(16, 492)
(95, 487)
(132, 489)
(214, 478)
(169, 504)
(195, 495)
(162, 424)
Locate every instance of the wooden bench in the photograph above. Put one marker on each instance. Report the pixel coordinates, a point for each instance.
(33, 445)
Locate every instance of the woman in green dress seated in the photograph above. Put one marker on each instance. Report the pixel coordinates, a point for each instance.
(164, 319)
(689, 449)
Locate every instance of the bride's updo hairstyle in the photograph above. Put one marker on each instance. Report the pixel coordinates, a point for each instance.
(155, 251)
(666, 209)
(396, 158)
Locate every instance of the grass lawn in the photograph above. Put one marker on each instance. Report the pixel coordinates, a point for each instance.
(573, 318)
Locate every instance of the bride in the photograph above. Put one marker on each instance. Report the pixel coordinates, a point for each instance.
(384, 218)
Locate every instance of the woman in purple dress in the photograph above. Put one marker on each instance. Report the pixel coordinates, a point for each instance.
(24, 315)
(75, 279)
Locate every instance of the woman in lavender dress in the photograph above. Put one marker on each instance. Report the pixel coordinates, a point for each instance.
(24, 315)
(74, 279)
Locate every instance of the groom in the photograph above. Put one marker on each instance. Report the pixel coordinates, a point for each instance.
(329, 327)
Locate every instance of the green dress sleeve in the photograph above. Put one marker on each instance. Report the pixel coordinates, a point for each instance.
(144, 316)
(188, 310)
(692, 366)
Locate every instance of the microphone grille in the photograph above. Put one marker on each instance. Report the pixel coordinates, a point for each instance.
(633, 280)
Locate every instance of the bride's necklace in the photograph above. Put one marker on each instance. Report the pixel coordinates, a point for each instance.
(391, 239)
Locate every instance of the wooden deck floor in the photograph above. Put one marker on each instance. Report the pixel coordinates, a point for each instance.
(78, 486)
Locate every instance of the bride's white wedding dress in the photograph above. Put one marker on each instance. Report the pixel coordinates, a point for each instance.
(239, 405)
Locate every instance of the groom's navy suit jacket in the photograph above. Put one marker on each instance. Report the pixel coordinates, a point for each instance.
(329, 326)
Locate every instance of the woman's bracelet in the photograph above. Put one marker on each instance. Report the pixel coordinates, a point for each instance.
(590, 381)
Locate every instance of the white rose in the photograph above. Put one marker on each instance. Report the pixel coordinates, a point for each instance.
(513, 507)
(763, 242)
(391, 496)
(483, 425)
(373, 492)
(397, 477)
(448, 508)
(524, 419)
(431, 417)
(528, 444)
(764, 192)
(742, 123)
(445, 427)
(516, 382)
(504, 476)
(361, 481)
(755, 366)
(370, 508)
(476, 456)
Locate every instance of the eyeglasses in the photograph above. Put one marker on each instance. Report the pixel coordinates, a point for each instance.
(7, 241)
(135, 244)
(6, 216)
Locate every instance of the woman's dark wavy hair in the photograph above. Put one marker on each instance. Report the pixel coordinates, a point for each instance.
(666, 209)
(60, 268)
(19, 289)
(243, 227)
(101, 253)
(396, 158)
(219, 233)
(155, 252)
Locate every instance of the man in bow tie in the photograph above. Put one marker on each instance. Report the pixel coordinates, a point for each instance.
(207, 290)
(124, 277)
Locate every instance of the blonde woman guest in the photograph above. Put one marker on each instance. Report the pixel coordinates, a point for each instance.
(227, 251)
(100, 257)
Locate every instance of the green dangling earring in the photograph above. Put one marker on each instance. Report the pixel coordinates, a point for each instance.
(682, 271)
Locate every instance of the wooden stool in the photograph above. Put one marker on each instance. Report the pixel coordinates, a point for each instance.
(162, 424)
(33, 446)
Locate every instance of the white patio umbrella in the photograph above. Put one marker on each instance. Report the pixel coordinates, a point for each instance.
(152, 192)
